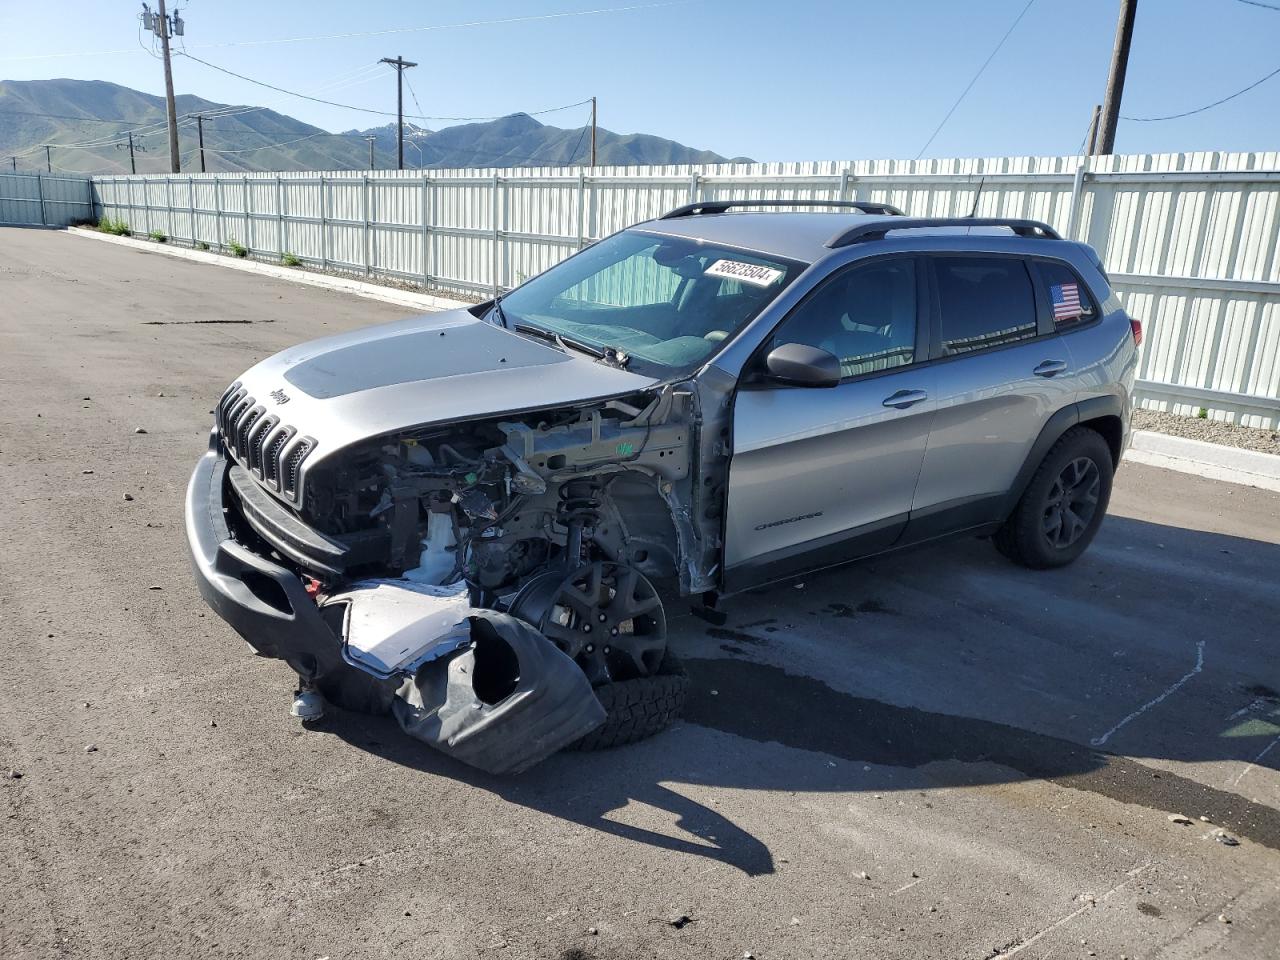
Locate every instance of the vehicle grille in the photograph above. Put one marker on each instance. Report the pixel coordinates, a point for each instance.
(270, 450)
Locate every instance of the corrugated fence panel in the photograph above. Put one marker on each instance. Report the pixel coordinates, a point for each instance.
(37, 199)
(1190, 239)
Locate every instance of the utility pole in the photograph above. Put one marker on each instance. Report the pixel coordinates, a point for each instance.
(133, 167)
(200, 128)
(163, 26)
(48, 159)
(401, 64)
(371, 139)
(1115, 80)
(14, 160)
(593, 132)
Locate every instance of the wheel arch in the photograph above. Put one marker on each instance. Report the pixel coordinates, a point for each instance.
(1104, 415)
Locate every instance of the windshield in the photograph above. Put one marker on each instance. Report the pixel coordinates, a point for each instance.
(668, 301)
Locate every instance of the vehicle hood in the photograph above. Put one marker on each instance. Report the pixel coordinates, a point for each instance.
(424, 370)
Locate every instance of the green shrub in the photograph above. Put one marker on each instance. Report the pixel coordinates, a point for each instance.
(115, 227)
(237, 248)
(1203, 413)
(290, 260)
(159, 236)
(201, 245)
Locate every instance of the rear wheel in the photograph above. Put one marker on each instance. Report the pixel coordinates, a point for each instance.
(1063, 506)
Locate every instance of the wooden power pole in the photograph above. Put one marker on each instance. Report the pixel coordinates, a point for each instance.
(1115, 79)
(174, 161)
(200, 137)
(133, 166)
(593, 132)
(401, 64)
(370, 140)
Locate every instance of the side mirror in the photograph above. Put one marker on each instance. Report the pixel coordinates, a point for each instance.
(800, 365)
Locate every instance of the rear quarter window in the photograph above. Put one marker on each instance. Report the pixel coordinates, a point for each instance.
(1069, 301)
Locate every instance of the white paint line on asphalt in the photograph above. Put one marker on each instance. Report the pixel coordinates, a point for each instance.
(1254, 762)
(1075, 913)
(907, 886)
(1099, 741)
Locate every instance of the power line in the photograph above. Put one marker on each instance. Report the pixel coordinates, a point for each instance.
(981, 70)
(62, 116)
(381, 113)
(1264, 6)
(1207, 106)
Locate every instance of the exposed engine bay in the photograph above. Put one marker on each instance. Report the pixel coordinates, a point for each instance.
(428, 550)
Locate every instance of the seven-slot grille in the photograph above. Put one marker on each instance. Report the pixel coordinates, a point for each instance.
(270, 450)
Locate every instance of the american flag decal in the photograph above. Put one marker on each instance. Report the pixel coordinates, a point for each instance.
(1066, 301)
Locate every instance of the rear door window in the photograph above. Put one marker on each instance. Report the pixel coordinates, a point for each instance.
(983, 302)
(1069, 301)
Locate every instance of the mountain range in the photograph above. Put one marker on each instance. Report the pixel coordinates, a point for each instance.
(87, 124)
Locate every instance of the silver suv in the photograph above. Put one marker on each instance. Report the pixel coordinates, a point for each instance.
(465, 517)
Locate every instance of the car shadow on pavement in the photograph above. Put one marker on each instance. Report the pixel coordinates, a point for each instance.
(748, 734)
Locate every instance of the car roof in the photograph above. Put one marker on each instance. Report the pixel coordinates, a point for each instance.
(808, 237)
(795, 236)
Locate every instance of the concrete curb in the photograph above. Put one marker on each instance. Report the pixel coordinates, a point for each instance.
(1210, 460)
(405, 298)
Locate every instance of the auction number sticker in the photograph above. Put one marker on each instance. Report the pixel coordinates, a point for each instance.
(752, 273)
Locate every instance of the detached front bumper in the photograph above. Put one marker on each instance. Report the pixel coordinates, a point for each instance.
(502, 702)
(262, 601)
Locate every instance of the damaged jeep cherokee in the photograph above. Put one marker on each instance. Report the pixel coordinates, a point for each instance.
(465, 518)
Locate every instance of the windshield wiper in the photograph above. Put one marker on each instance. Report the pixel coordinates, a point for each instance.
(563, 342)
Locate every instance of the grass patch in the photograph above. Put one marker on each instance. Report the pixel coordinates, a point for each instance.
(237, 248)
(116, 228)
(159, 236)
(201, 245)
(290, 260)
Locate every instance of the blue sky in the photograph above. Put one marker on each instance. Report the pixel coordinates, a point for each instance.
(769, 79)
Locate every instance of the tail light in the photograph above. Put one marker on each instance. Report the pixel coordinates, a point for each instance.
(1136, 327)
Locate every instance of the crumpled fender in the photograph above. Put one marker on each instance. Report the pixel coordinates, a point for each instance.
(502, 704)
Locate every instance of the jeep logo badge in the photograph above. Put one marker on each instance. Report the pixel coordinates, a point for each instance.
(279, 396)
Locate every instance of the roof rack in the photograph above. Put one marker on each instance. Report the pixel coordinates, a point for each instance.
(720, 206)
(878, 229)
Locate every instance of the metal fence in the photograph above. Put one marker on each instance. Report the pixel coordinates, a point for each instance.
(37, 199)
(1190, 240)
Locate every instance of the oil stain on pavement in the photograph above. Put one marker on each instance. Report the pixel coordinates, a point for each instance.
(807, 714)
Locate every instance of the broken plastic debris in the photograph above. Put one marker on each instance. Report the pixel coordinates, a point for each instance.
(393, 626)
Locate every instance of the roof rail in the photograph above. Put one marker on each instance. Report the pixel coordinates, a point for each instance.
(720, 206)
(878, 229)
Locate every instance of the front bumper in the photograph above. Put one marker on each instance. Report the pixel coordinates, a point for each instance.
(262, 601)
(502, 703)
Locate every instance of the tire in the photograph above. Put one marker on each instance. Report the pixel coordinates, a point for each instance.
(637, 709)
(1041, 533)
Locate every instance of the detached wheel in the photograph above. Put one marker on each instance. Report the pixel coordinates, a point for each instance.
(609, 618)
(1063, 506)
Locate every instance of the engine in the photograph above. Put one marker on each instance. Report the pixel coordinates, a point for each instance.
(492, 502)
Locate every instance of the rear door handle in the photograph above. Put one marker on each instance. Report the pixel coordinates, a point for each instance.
(905, 398)
(1049, 368)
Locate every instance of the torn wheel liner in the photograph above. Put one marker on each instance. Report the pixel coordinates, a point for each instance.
(504, 703)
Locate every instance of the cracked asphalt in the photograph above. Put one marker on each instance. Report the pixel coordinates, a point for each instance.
(935, 754)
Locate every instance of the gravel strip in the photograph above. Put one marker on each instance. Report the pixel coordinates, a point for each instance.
(1212, 431)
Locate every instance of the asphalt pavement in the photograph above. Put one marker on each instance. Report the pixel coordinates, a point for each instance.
(935, 754)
